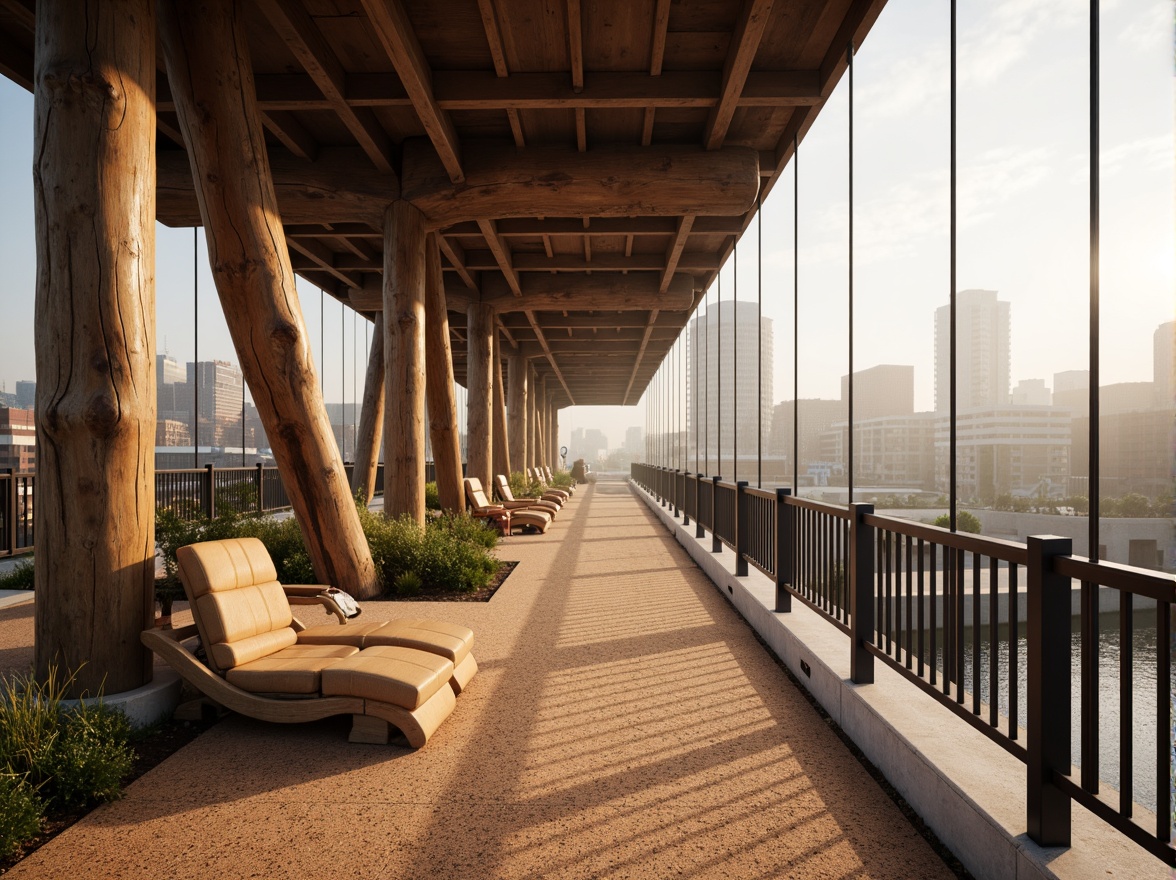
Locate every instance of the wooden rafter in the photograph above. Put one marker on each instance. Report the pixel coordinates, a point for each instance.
(322, 258)
(294, 137)
(696, 261)
(404, 49)
(753, 20)
(640, 354)
(502, 255)
(542, 338)
(456, 256)
(494, 40)
(657, 56)
(295, 26)
(674, 253)
(576, 45)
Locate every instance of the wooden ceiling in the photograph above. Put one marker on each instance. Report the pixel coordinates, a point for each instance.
(453, 103)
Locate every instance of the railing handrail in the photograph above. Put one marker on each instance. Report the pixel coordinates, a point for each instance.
(1155, 585)
(997, 548)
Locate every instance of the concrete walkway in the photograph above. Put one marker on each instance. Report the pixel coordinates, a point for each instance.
(625, 723)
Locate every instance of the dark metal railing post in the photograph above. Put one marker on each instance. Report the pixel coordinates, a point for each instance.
(1048, 691)
(861, 594)
(783, 551)
(741, 528)
(260, 487)
(698, 530)
(686, 478)
(209, 492)
(12, 510)
(716, 541)
(677, 498)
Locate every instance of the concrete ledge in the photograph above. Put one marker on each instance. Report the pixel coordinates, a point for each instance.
(8, 598)
(968, 790)
(148, 704)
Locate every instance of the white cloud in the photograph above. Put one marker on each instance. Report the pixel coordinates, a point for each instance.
(1007, 34)
(996, 177)
(910, 83)
(1150, 29)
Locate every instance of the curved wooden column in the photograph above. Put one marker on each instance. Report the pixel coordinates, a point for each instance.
(94, 178)
(553, 419)
(532, 458)
(404, 342)
(501, 445)
(211, 78)
(443, 430)
(371, 418)
(479, 381)
(516, 407)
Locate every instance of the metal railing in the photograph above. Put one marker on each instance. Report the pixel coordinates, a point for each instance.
(942, 609)
(16, 512)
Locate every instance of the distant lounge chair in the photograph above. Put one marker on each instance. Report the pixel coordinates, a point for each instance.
(264, 663)
(550, 493)
(571, 490)
(507, 499)
(523, 518)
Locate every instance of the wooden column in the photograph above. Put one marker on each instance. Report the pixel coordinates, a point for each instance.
(532, 418)
(554, 419)
(501, 446)
(404, 340)
(479, 373)
(517, 410)
(541, 423)
(211, 80)
(94, 179)
(443, 430)
(371, 418)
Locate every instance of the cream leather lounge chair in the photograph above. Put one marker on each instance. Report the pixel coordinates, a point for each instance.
(549, 493)
(507, 499)
(524, 517)
(264, 663)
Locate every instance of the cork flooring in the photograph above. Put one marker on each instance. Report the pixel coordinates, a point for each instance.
(625, 723)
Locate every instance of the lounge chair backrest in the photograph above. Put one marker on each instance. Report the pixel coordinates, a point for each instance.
(475, 493)
(240, 608)
(503, 486)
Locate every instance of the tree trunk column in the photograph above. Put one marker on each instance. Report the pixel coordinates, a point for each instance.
(516, 406)
(501, 446)
(541, 423)
(371, 418)
(479, 374)
(94, 177)
(404, 340)
(554, 419)
(443, 429)
(211, 79)
(532, 418)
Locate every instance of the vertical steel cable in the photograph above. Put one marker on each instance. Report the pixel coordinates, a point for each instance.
(196, 346)
(951, 441)
(796, 315)
(706, 370)
(735, 365)
(694, 395)
(719, 368)
(849, 414)
(759, 344)
(342, 381)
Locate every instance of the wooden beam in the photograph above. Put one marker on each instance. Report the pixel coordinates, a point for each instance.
(690, 261)
(336, 188)
(564, 347)
(858, 20)
(442, 406)
(753, 20)
(456, 257)
(597, 292)
(539, 335)
(550, 181)
(209, 67)
(502, 255)
(640, 354)
(657, 55)
(674, 252)
(404, 49)
(576, 45)
(404, 344)
(294, 25)
(291, 133)
(371, 418)
(625, 321)
(323, 258)
(94, 156)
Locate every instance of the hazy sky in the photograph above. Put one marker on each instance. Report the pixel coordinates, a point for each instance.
(1023, 195)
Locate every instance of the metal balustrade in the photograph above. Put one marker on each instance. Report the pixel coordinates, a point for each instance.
(16, 512)
(942, 609)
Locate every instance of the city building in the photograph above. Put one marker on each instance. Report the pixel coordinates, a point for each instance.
(220, 388)
(589, 444)
(891, 452)
(18, 439)
(634, 440)
(1031, 392)
(982, 352)
(721, 346)
(1135, 451)
(1164, 364)
(884, 390)
(168, 371)
(1072, 390)
(817, 417)
(1007, 450)
(1125, 397)
(26, 394)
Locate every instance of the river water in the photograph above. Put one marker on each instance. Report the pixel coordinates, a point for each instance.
(1144, 704)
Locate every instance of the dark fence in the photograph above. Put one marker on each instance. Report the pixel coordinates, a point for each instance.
(16, 513)
(930, 604)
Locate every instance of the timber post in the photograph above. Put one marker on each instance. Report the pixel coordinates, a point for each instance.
(443, 431)
(211, 78)
(516, 406)
(404, 344)
(371, 418)
(532, 412)
(501, 445)
(479, 378)
(94, 180)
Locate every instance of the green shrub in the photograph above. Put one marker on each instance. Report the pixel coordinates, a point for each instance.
(562, 480)
(407, 583)
(19, 578)
(432, 496)
(21, 812)
(522, 487)
(966, 521)
(448, 553)
(72, 757)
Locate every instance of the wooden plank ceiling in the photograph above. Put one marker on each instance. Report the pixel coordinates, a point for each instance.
(352, 91)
